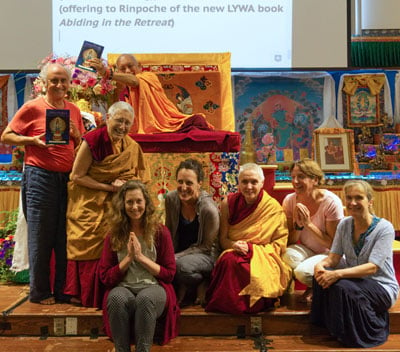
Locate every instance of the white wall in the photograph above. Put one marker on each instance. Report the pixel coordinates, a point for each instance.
(25, 33)
(319, 33)
(380, 14)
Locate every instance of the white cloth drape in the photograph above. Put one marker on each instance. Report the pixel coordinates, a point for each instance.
(20, 258)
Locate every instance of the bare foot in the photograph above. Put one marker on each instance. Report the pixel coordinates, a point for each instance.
(201, 294)
(48, 301)
(75, 301)
(181, 294)
(306, 297)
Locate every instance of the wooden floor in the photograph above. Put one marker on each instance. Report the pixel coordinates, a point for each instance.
(27, 327)
(292, 343)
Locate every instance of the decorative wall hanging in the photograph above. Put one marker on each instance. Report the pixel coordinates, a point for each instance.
(284, 109)
(334, 150)
(364, 100)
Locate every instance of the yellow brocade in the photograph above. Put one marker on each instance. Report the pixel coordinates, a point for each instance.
(374, 82)
(266, 229)
(86, 224)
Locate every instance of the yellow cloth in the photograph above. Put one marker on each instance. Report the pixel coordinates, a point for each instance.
(396, 246)
(86, 225)
(374, 82)
(154, 112)
(386, 202)
(267, 230)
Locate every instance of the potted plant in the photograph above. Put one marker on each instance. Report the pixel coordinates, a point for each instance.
(7, 230)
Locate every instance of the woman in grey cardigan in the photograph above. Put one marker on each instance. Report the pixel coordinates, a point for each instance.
(193, 220)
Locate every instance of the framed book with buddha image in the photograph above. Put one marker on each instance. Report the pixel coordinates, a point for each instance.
(88, 51)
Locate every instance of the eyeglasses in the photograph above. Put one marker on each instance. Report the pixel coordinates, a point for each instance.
(121, 121)
(58, 80)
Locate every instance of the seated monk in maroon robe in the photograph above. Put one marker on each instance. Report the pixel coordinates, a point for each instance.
(250, 273)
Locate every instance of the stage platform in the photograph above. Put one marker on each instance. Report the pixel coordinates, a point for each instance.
(80, 328)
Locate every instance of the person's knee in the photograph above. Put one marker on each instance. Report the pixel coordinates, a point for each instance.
(303, 276)
(292, 258)
(116, 298)
(188, 278)
(151, 304)
(188, 273)
(152, 294)
(144, 301)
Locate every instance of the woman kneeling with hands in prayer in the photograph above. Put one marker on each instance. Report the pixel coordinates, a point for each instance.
(137, 267)
(352, 299)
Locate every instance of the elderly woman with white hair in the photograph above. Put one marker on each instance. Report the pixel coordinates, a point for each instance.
(45, 177)
(106, 159)
(250, 274)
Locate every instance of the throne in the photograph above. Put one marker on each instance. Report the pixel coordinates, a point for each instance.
(195, 83)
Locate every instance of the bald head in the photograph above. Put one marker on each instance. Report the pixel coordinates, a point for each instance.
(127, 63)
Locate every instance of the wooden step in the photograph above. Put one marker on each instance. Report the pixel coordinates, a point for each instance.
(22, 318)
(291, 318)
(291, 343)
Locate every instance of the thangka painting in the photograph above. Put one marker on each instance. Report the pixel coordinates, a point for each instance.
(363, 100)
(362, 108)
(284, 112)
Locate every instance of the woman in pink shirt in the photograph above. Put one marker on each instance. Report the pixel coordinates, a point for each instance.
(313, 215)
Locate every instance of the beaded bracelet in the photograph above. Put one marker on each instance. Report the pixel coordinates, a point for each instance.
(297, 227)
(106, 73)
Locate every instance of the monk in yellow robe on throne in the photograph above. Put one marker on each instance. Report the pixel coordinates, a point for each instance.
(154, 112)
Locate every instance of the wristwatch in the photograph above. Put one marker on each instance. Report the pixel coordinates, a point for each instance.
(297, 227)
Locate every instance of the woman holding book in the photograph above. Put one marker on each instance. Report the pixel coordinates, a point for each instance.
(44, 183)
